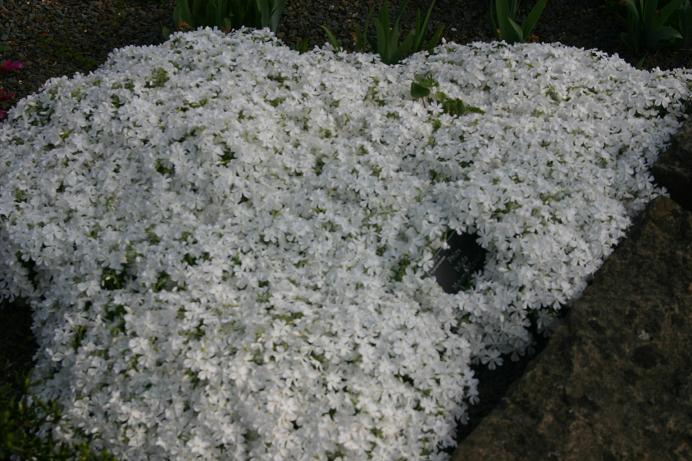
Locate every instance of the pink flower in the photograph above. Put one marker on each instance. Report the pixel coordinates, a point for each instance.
(7, 95)
(8, 65)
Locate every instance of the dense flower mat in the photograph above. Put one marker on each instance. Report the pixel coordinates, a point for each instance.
(227, 243)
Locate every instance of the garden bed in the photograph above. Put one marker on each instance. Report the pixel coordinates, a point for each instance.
(84, 55)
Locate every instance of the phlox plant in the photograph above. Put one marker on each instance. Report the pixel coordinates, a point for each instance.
(227, 244)
(503, 17)
(227, 14)
(388, 42)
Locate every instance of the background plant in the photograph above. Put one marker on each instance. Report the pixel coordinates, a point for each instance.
(387, 41)
(360, 40)
(648, 26)
(227, 14)
(422, 88)
(684, 23)
(503, 16)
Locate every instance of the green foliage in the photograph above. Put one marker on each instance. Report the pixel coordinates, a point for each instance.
(399, 270)
(684, 23)
(270, 12)
(227, 14)
(164, 167)
(456, 107)
(157, 78)
(28, 264)
(648, 27)
(111, 279)
(226, 157)
(503, 15)
(164, 283)
(422, 87)
(388, 41)
(302, 45)
(331, 38)
(115, 314)
(19, 427)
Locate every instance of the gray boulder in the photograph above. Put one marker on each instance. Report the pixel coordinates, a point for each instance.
(674, 168)
(615, 380)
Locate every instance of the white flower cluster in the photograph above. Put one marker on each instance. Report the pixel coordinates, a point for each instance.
(226, 242)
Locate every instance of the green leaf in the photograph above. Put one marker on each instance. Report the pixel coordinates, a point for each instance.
(421, 86)
(632, 11)
(389, 42)
(362, 36)
(381, 27)
(685, 23)
(418, 90)
(502, 12)
(532, 18)
(492, 15)
(198, 13)
(331, 38)
(360, 40)
(227, 14)
(517, 33)
(435, 39)
(393, 45)
(418, 33)
(421, 32)
(632, 37)
(277, 11)
(263, 8)
(406, 47)
(664, 34)
(667, 11)
(227, 24)
(649, 8)
(399, 270)
(217, 13)
(401, 11)
(456, 107)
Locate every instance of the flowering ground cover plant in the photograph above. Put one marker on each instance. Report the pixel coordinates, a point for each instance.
(226, 242)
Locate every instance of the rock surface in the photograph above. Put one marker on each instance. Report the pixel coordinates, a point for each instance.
(615, 380)
(674, 168)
